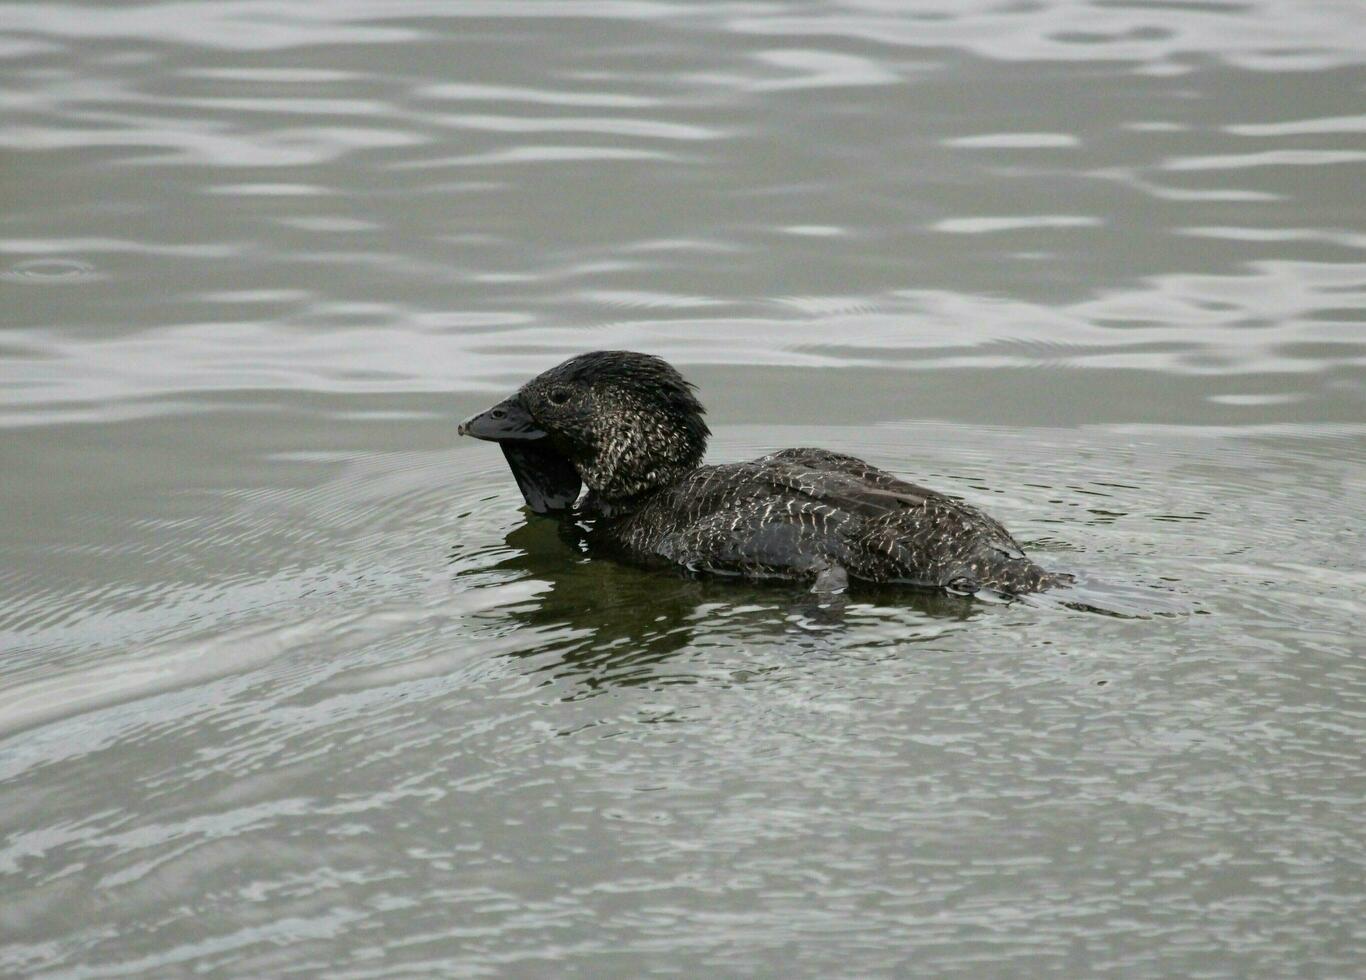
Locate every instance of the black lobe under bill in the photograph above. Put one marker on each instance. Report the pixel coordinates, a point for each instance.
(548, 480)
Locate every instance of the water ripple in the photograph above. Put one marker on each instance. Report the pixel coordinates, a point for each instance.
(1013, 141)
(1274, 36)
(1267, 158)
(977, 226)
(645, 128)
(51, 270)
(1090, 264)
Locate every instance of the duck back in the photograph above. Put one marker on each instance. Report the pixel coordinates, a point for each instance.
(800, 513)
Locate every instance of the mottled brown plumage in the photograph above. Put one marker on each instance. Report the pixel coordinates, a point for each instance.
(632, 430)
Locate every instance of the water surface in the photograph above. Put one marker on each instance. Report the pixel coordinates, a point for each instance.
(290, 684)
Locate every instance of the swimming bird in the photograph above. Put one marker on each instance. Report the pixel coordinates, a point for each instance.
(630, 428)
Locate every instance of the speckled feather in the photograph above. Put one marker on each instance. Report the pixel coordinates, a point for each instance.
(633, 430)
(797, 512)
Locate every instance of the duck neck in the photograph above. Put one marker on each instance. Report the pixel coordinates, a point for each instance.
(603, 502)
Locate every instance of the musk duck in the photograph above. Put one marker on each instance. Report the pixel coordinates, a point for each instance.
(629, 428)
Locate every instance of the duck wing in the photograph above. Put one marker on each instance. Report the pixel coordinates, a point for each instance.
(839, 480)
(914, 535)
(747, 519)
(798, 512)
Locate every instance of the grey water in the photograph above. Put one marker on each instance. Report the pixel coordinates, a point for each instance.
(290, 683)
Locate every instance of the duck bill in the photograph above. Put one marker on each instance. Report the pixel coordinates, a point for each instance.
(546, 477)
(505, 422)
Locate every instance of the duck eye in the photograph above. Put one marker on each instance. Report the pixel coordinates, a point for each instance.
(559, 396)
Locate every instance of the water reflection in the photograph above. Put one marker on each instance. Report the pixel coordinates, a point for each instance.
(611, 623)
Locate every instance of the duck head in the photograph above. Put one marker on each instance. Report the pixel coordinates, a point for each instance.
(619, 422)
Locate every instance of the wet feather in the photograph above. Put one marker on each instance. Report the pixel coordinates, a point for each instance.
(633, 429)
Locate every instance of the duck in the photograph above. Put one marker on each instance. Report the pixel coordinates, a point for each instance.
(629, 427)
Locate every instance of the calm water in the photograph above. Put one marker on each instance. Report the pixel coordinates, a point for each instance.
(290, 684)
